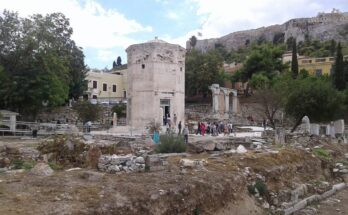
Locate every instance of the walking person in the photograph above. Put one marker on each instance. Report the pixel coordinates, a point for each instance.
(179, 127)
(185, 133)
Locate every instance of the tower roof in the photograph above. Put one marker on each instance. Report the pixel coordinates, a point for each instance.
(156, 40)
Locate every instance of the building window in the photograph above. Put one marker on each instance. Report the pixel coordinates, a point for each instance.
(180, 69)
(95, 84)
(320, 60)
(114, 88)
(124, 94)
(105, 87)
(143, 66)
(318, 72)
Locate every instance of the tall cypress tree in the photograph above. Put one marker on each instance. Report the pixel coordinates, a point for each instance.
(339, 76)
(294, 63)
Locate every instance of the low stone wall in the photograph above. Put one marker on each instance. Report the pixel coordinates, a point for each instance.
(127, 163)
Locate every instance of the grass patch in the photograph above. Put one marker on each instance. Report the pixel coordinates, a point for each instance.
(171, 143)
(322, 154)
(21, 164)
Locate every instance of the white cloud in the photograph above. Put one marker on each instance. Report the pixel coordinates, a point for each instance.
(173, 15)
(220, 17)
(94, 26)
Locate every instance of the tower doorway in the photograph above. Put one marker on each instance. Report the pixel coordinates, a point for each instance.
(165, 105)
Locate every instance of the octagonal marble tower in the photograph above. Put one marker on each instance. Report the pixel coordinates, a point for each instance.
(156, 83)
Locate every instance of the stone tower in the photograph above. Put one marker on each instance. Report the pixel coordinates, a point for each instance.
(156, 83)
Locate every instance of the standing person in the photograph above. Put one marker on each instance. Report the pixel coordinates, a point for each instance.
(165, 119)
(168, 128)
(202, 129)
(89, 124)
(179, 127)
(155, 136)
(185, 133)
(199, 128)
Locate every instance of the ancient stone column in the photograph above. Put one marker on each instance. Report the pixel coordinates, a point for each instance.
(235, 103)
(114, 120)
(215, 89)
(227, 100)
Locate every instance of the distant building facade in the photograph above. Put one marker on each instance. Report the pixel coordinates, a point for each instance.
(315, 66)
(107, 87)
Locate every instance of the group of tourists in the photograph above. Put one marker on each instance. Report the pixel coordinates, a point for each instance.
(214, 129)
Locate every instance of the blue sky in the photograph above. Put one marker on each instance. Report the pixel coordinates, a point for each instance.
(105, 28)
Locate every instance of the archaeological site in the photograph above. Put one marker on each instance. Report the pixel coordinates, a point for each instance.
(251, 123)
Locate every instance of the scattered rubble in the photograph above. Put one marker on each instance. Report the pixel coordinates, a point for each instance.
(241, 149)
(42, 169)
(198, 164)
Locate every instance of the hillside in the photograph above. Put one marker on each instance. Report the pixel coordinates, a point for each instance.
(325, 26)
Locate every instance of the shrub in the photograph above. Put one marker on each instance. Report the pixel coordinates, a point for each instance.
(87, 111)
(171, 143)
(260, 186)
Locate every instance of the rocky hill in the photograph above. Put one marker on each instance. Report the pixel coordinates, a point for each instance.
(325, 26)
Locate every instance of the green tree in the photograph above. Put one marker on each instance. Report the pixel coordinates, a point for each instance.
(278, 38)
(119, 61)
(266, 59)
(270, 94)
(315, 98)
(289, 43)
(339, 78)
(87, 111)
(202, 70)
(193, 41)
(40, 61)
(114, 65)
(294, 62)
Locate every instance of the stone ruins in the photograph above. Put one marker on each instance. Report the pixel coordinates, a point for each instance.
(221, 100)
(156, 83)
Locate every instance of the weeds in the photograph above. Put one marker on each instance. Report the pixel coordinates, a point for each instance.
(322, 154)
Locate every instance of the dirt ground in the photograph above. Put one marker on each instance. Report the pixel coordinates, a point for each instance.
(219, 188)
(337, 204)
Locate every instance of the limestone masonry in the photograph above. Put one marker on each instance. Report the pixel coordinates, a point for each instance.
(325, 26)
(156, 83)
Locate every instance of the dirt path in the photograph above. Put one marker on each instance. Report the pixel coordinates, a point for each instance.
(337, 204)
